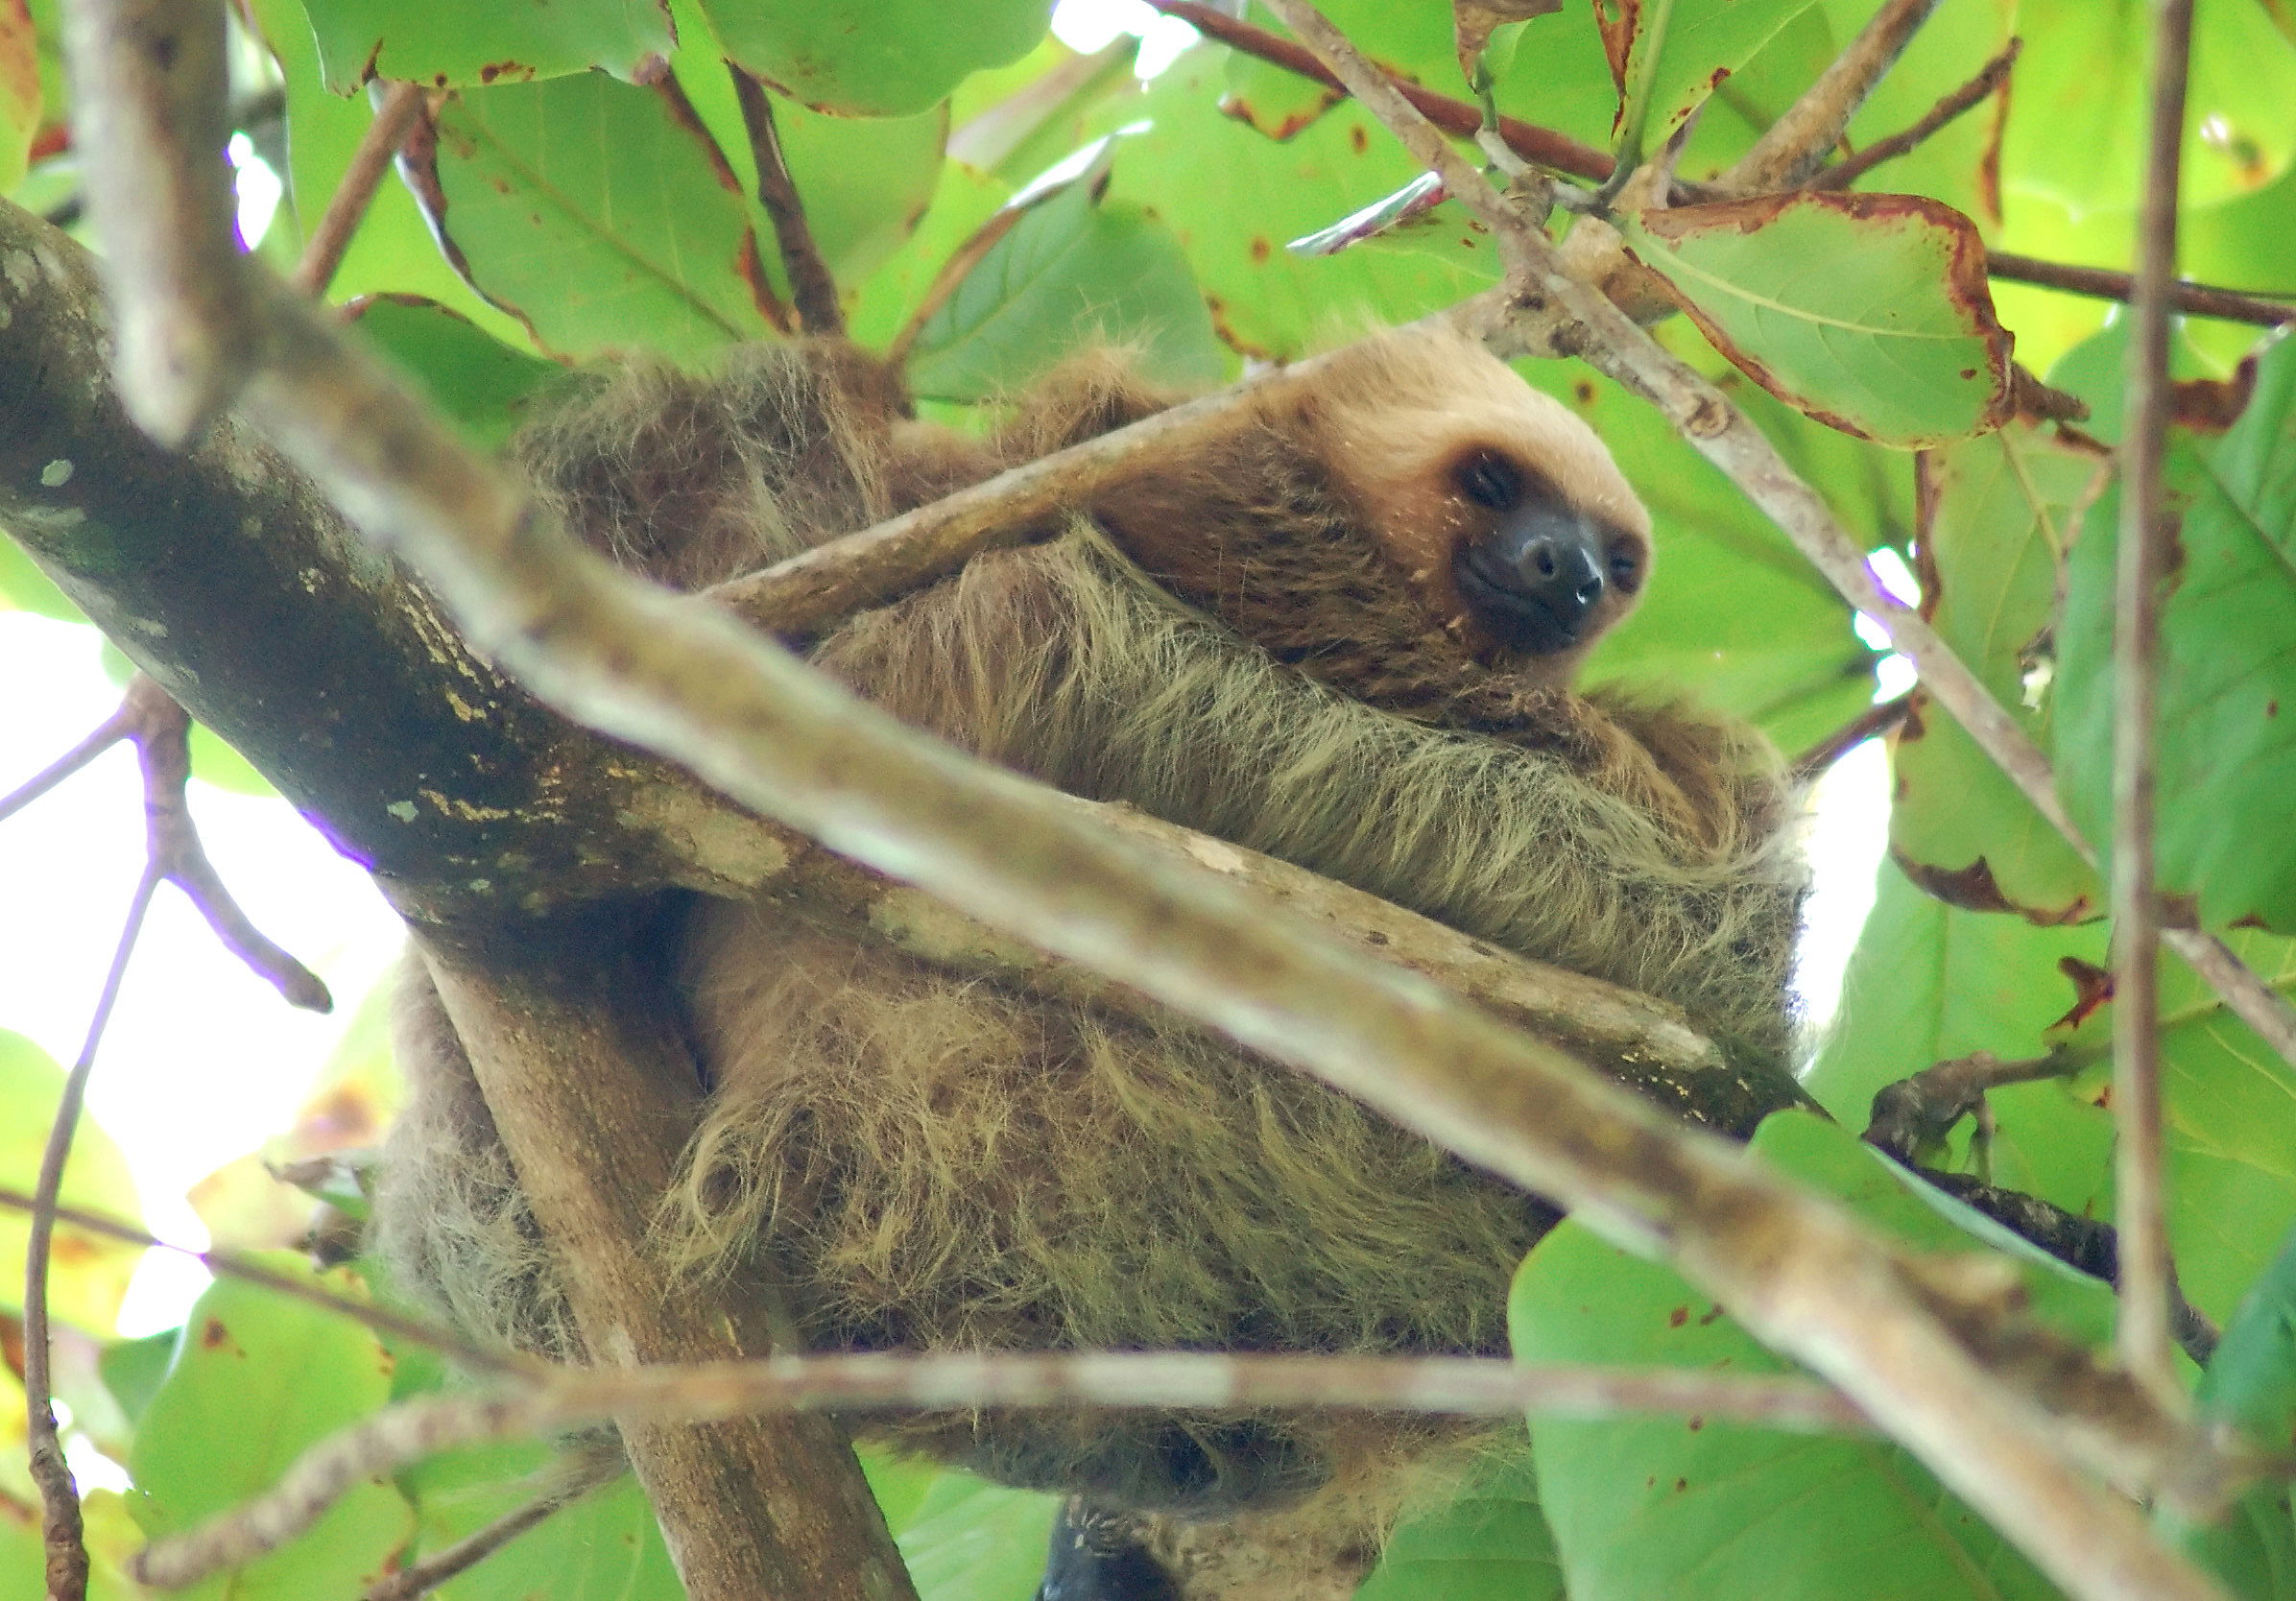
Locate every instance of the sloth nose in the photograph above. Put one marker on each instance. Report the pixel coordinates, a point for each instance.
(1533, 580)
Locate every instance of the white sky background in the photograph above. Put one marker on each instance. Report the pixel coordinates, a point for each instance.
(203, 1061)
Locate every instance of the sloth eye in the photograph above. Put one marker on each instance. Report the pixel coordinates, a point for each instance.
(1626, 569)
(1490, 481)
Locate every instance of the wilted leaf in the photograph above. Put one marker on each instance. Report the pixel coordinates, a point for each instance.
(1473, 22)
(2227, 727)
(1869, 312)
(87, 1276)
(873, 57)
(462, 46)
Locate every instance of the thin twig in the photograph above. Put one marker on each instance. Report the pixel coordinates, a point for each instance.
(1876, 720)
(347, 207)
(2139, 1205)
(1457, 117)
(1462, 1386)
(108, 734)
(811, 288)
(1790, 149)
(59, 1497)
(230, 1264)
(571, 1480)
(2103, 284)
(1989, 80)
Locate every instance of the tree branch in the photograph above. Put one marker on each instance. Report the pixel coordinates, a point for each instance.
(1790, 149)
(2102, 284)
(2147, 529)
(347, 207)
(811, 288)
(1989, 80)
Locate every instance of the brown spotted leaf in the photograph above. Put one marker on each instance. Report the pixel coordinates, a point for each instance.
(1869, 312)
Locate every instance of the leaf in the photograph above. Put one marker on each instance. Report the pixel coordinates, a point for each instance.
(2227, 726)
(593, 213)
(24, 588)
(2075, 135)
(1929, 982)
(2003, 511)
(257, 1377)
(605, 1548)
(2251, 1383)
(873, 57)
(1475, 20)
(453, 46)
(88, 1277)
(1072, 272)
(1667, 1506)
(1869, 312)
(969, 1539)
(1667, 56)
(1489, 1543)
(463, 370)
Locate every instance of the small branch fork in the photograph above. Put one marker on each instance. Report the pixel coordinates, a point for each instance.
(2146, 530)
(160, 731)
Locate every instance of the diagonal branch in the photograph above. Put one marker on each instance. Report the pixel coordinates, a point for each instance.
(1790, 149)
(1988, 81)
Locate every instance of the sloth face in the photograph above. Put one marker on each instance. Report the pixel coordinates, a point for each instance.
(1536, 573)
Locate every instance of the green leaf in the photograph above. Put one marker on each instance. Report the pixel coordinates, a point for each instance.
(973, 1540)
(2003, 511)
(873, 57)
(2251, 1383)
(1490, 1542)
(1072, 272)
(393, 250)
(24, 588)
(456, 46)
(86, 1276)
(257, 1377)
(1663, 1506)
(1666, 56)
(2227, 727)
(1018, 122)
(1233, 197)
(2077, 128)
(134, 1369)
(605, 1548)
(1870, 311)
(460, 367)
(884, 301)
(1929, 982)
(598, 216)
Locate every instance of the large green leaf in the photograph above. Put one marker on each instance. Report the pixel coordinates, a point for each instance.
(2227, 730)
(599, 216)
(463, 370)
(1870, 311)
(1668, 55)
(257, 1377)
(1667, 1506)
(1235, 196)
(86, 1276)
(1072, 272)
(452, 45)
(2076, 124)
(969, 1539)
(2002, 511)
(873, 57)
(605, 1548)
(1490, 1542)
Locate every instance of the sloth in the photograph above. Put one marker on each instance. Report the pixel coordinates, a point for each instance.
(1346, 634)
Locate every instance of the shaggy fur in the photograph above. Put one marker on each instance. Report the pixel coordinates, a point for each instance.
(932, 1161)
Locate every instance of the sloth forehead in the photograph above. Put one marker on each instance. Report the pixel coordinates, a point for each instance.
(1417, 403)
